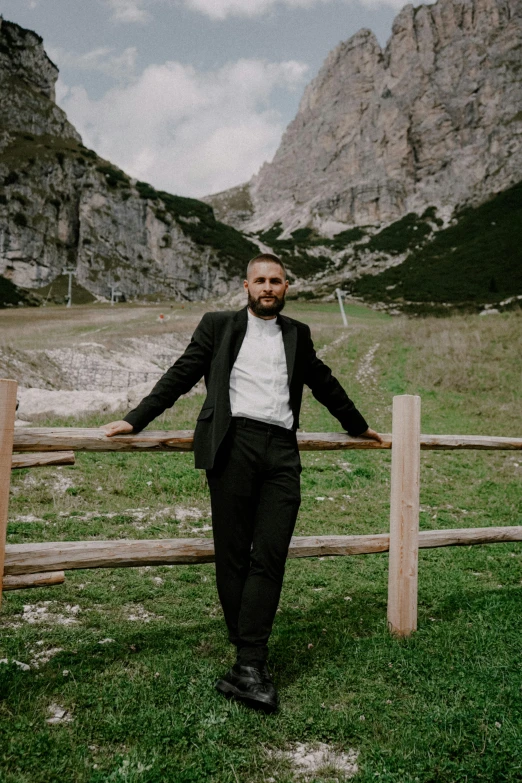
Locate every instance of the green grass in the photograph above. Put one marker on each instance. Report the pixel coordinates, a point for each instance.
(441, 706)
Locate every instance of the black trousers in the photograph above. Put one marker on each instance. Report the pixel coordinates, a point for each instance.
(255, 496)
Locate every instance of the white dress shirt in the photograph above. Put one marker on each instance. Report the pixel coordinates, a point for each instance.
(259, 377)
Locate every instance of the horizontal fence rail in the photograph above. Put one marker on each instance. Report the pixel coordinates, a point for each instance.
(38, 564)
(85, 439)
(42, 460)
(69, 555)
(33, 580)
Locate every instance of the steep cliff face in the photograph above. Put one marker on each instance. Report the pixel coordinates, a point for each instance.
(434, 119)
(61, 205)
(27, 85)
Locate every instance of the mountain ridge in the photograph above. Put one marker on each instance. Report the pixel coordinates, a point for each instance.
(426, 121)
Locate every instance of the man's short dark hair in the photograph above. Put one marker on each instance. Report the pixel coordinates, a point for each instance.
(266, 257)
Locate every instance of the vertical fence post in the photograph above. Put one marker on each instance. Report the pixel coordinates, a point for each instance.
(7, 418)
(404, 515)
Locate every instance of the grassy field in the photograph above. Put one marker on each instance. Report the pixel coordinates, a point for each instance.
(131, 655)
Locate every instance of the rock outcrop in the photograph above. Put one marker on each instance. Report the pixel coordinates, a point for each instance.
(63, 206)
(433, 120)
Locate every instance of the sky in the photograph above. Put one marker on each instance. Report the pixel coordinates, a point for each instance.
(190, 95)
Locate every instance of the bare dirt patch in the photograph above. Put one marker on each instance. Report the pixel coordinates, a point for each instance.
(138, 613)
(366, 373)
(311, 761)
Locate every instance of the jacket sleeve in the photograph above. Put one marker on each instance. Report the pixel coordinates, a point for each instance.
(186, 371)
(329, 392)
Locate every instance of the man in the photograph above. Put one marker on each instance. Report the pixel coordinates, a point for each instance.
(255, 363)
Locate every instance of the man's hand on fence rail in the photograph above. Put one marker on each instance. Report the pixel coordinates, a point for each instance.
(117, 428)
(371, 434)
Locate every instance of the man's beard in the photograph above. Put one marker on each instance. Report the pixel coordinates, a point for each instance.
(260, 309)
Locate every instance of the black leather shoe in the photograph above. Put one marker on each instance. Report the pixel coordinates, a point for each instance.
(249, 685)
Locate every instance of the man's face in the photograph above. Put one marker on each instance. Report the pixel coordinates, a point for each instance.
(266, 286)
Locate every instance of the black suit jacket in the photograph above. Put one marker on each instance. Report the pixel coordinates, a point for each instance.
(212, 352)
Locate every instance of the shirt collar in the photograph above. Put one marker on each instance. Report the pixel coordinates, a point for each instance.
(261, 326)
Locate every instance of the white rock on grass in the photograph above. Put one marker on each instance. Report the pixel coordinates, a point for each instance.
(138, 613)
(58, 714)
(23, 666)
(34, 614)
(181, 513)
(41, 658)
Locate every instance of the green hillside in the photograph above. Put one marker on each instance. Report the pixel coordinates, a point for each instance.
(197, 220)
(477, 259)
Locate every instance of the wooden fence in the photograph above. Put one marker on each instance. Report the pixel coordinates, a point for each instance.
(25, 565)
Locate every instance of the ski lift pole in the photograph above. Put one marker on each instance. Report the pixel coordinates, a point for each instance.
(341, 305)
(115, 294)
(69, 272)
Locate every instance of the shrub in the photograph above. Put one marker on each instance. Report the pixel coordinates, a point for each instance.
(400, 236)
(301, 235)
(344, 238)
(113, 176)
(270, 235)
(146, 191)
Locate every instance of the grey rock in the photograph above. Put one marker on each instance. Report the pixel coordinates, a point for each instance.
(434, 119)
(63, 206)
(27, 85)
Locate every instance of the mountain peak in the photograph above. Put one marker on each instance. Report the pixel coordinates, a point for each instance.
(429, 121)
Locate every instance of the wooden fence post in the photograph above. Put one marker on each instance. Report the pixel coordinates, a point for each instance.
(7, 419)
(404, 515)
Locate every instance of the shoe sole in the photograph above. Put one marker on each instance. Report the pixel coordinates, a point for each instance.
(231, 692)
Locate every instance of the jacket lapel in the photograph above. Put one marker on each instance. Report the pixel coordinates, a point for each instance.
(239, 327)
(289, 331)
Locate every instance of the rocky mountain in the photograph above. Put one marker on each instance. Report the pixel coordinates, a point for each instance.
(63, 206)
(400, 178)
(433, 120)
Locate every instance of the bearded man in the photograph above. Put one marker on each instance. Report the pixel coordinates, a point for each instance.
(255, 363)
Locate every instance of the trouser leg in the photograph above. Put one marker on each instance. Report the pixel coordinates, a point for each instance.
(255, 498)
(232, 522)
(232, 497)
(274, 522)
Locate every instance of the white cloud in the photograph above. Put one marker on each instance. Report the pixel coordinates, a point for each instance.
(119, 66)
(221, 9)
(186, 131)
(137, 10)
(128, 10)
